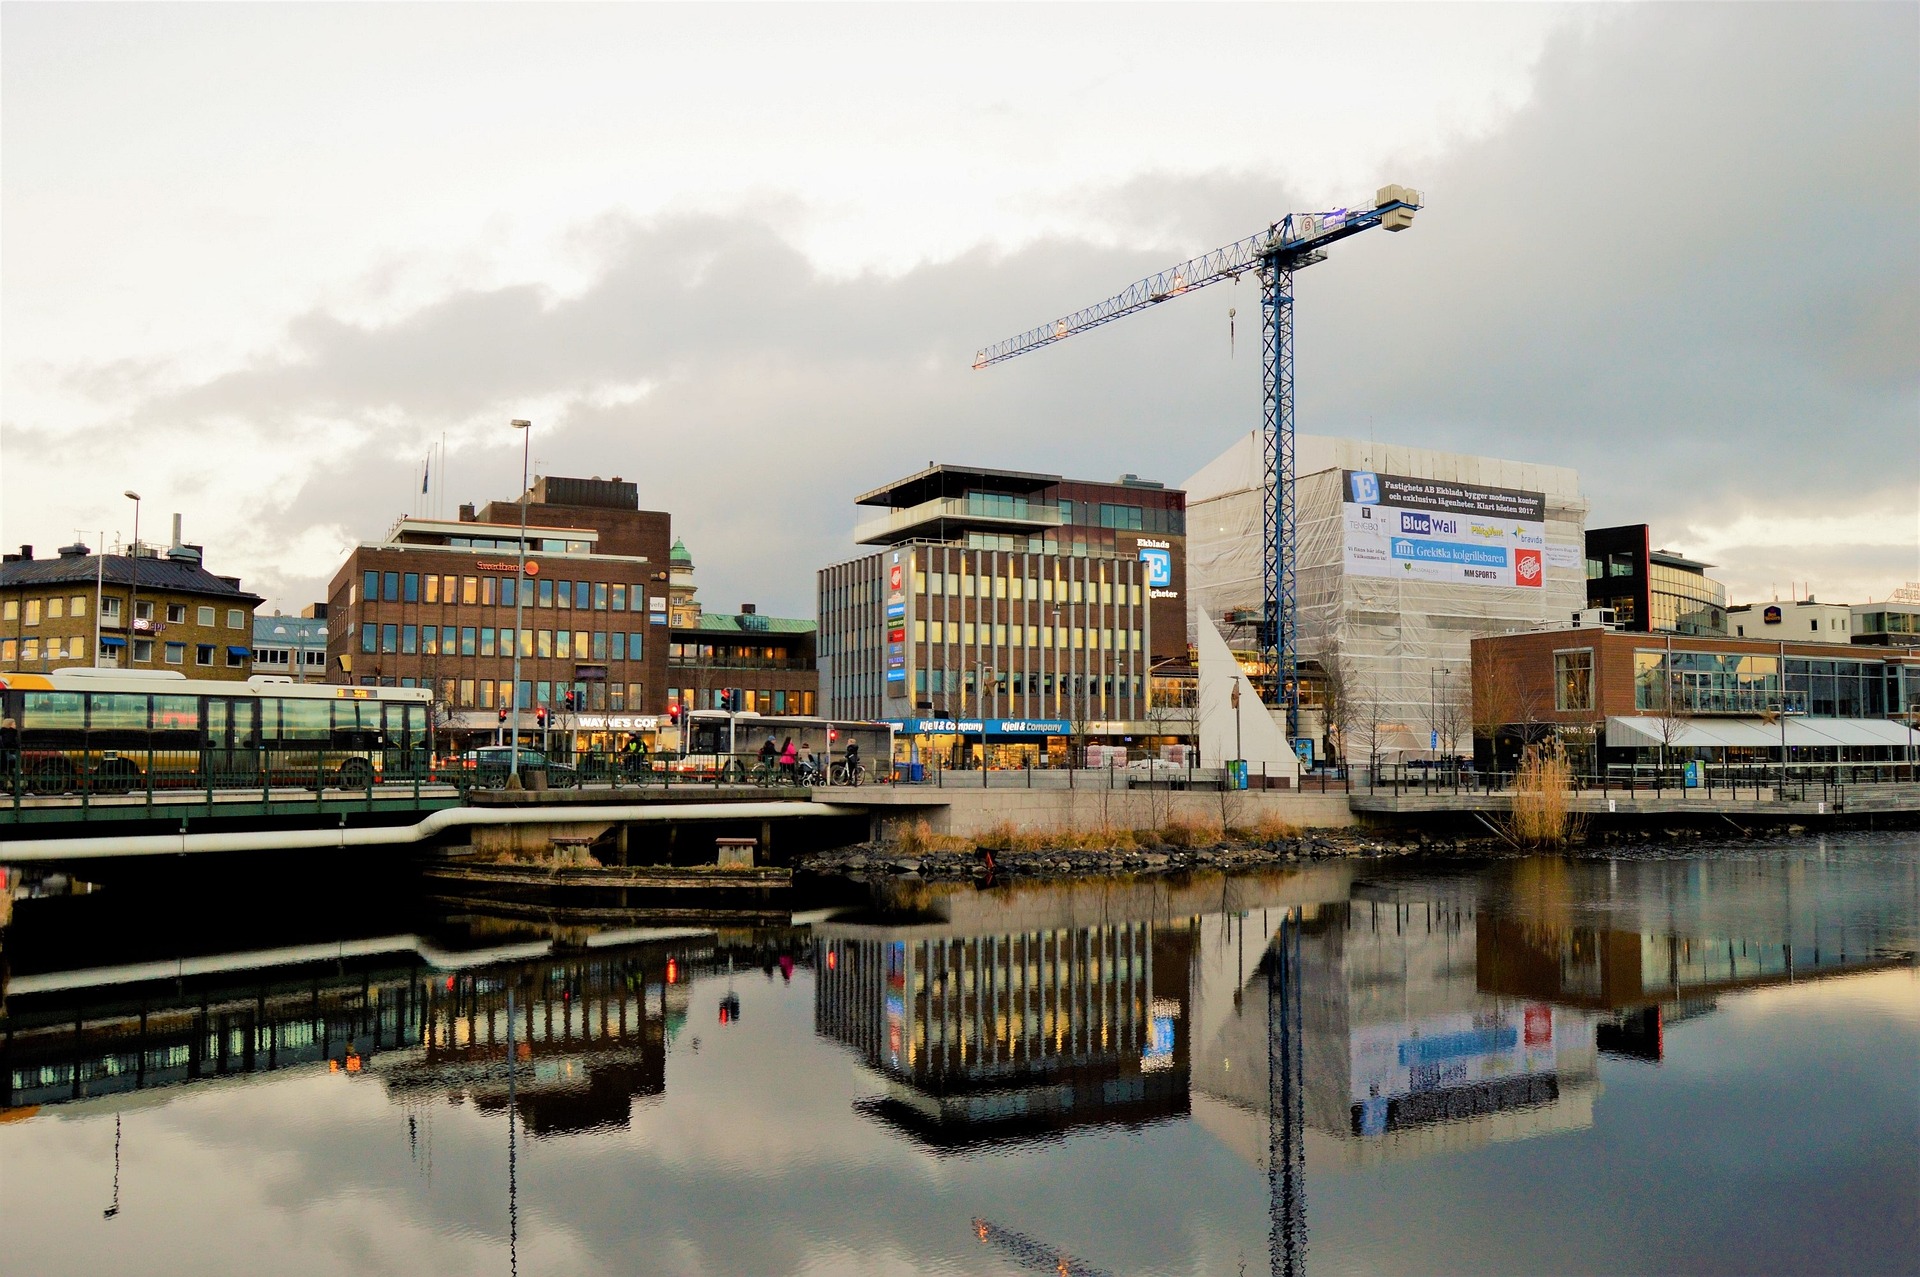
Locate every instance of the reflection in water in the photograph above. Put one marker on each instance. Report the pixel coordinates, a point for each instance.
(1350, 1023)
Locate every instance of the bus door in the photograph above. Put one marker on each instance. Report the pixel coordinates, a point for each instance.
(175, 740)
(232, 750)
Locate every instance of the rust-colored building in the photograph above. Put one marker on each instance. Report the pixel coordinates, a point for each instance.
(433, 605)
(1614, 697)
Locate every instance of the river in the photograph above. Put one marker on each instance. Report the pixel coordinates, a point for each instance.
(1696, 1061)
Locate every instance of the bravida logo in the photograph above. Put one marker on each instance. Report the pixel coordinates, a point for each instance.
(1526, 567)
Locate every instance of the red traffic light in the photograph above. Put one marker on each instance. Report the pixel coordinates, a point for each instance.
(503, 714)
(673, 713)
(540, 716)
(833, 734)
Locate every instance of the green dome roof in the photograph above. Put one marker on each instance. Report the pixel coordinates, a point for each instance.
(679, 553)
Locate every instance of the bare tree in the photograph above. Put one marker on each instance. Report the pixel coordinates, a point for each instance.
(1503, 701)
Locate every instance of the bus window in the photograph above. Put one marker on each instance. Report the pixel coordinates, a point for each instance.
(710, 736)
(303, 720)
(246, 724)
(176, 713)
(118, 711)
(42, 713)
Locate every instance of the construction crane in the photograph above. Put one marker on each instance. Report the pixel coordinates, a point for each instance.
(1296, 241)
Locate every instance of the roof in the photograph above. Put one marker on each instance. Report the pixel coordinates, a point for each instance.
(289, 630)
(171, 576)
(679, 553)
(756, 624)
(946, 481)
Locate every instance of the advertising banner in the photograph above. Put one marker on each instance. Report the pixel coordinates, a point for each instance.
(1434, 530)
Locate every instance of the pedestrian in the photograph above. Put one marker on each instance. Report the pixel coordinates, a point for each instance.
(768, 753)
(789, 758)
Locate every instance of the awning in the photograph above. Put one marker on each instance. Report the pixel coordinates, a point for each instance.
(112, 640)
(238, 651)
(1802, 732)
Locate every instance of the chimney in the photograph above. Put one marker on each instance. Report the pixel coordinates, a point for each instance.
(26, 554)
(176, 531)
(748, 609)
(75, 551)
(466, 512)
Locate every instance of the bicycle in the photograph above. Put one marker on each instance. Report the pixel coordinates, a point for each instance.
(845, 773)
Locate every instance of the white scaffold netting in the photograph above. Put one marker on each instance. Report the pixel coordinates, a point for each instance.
(1398, 648)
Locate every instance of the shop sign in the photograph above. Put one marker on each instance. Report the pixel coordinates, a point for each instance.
(616, 722)
(990, 726)
(489, 565)
(1771, 616)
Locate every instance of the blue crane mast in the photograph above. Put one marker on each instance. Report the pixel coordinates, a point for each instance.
(1296, 241)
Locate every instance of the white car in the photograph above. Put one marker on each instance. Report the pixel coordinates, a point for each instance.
(1157, 766)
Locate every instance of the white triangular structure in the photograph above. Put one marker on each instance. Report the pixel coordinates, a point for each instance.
(1261, 741)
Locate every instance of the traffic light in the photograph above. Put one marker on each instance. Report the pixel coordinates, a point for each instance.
(503, 713)
(673, 714)
(569, 700)
(540, 716)
(833, 734)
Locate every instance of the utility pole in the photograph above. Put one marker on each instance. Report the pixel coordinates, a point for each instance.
(519, 600)
(133, 575)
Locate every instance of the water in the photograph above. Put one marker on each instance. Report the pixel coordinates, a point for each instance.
(1699, 1063)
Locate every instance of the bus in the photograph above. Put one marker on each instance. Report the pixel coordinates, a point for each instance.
(111, 731)
(719, 743)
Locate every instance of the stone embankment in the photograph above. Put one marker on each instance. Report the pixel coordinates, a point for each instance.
(866, 862)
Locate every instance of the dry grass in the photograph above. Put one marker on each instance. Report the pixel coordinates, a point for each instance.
(1269, 828)
(1542, 799)
(1182, 832)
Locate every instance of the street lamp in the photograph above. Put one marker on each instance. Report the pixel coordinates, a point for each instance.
(133, 573)
(519, 600)
(1433, 711)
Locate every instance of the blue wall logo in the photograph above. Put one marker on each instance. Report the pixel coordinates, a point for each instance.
(1366, 487)
(1159, 568)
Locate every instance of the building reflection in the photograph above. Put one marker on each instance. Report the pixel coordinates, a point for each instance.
(1014, 1035)
(590, 1031)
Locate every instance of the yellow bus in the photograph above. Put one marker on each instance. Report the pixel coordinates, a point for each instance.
(108, 731)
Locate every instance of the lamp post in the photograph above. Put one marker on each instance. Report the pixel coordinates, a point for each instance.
(99, 592)
(519, 600)
(1433, 710)
(133, 574)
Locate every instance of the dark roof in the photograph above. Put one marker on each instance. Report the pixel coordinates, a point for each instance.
(953, 481)
(172, 576)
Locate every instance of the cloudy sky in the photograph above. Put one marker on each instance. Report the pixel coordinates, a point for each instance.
(259, 259)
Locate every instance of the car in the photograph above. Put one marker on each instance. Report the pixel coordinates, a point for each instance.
(491, 763)
(1158, 766)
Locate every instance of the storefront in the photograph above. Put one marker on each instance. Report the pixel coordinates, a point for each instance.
(961, 743)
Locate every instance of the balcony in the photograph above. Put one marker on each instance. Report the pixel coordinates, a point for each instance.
(944, 517)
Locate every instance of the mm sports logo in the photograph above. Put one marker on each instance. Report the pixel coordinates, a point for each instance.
(1526, 567)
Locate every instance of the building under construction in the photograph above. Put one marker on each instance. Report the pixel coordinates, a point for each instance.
(1405, 555)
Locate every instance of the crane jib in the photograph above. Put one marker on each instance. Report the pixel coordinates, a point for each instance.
(1293, 243)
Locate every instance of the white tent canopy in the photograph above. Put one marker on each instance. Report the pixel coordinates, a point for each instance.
(1802, 732)
(1251, 727)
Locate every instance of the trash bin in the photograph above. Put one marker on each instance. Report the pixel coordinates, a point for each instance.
(533, 777)
(910, 773)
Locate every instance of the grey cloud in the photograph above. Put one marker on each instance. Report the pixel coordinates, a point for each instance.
(1680, 267)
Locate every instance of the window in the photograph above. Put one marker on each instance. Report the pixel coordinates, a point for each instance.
(1573, 680)
(486, 640)
(545, 591)
(176, 614)
(176, 653)
(390, 638)
(30, 649)
(467, 638)
(506, 591)
(410, 588)
(109, 611)
(10, 610)
(619, 603)
(599, 645)
(545, 643)
(619, 645)
(469, 589)
(563, 645)
(390, 587)
(433, 589)
(143, 649)
(204, 616)
(449, 642)
(236, 657)
(599, 596)
(409, 640)
(564, 591)
(33, 611)
(370, 586)
(633, 647)
(487, 586)
(56, 608)
(76, 648)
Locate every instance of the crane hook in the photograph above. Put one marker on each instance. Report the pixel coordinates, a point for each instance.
(1231, 312)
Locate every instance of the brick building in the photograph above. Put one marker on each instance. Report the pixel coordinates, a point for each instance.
(149, 610)
(770, 660)
(1614, 697)
(433, 605)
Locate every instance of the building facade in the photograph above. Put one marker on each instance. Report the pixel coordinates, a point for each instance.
(1651, 591)
(769, 660)
(1007, 610)
(1612, 698)
(149, 609)
(434, 605)
(1404, 555)
(293, 646)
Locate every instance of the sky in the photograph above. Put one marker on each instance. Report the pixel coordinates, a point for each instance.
(259, 260)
